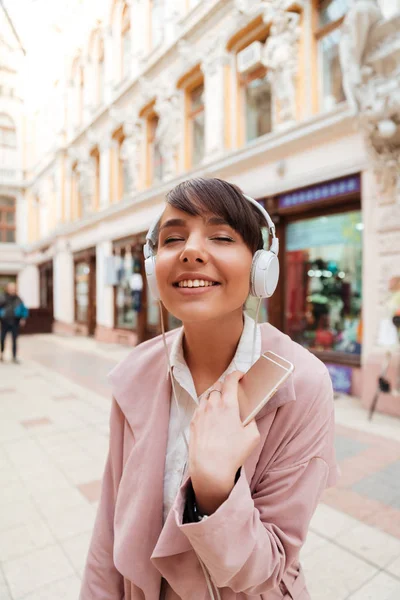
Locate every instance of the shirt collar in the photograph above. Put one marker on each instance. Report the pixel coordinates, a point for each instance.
(240, 362)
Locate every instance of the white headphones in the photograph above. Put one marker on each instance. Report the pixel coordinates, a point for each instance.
(264, 273)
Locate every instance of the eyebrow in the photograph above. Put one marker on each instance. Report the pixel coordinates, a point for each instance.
(182, 222)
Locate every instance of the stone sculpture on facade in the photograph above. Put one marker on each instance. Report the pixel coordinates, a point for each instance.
(280, 50)
(86, 170)
(281, 59)
(168, 133)
(370, 62)
(131, 152)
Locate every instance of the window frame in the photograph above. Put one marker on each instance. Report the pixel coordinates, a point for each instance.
(319, 32)
(4, 226)
(10, 129)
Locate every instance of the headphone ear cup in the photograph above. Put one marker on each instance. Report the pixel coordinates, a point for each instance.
(264, 274)
(150, 268)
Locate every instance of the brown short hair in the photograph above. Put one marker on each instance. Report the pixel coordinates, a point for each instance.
(199, 196)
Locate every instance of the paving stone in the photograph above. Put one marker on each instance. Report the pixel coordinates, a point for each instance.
(346, 447)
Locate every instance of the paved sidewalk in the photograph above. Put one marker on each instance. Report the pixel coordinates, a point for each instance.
(54, 410)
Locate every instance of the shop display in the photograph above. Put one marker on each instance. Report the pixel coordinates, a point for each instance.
(323, 298)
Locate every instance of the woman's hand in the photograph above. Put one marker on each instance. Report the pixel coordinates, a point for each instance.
(219, 444)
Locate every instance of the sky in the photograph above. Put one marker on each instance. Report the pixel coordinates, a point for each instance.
(50, 32)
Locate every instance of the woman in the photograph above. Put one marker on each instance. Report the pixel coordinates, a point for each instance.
(227, 517)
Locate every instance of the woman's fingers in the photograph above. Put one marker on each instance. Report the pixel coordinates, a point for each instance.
(230, 388)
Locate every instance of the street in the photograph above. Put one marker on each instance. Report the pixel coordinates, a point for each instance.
(54, 410)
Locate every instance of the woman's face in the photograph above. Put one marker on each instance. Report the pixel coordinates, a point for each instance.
(202, 266)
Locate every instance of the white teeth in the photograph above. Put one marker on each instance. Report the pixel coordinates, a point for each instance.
(194, 283)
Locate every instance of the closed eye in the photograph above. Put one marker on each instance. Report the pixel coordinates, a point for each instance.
(223, 239)
(172, 239)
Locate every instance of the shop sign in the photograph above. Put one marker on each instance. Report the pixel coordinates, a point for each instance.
(323, 191)
(341, 377)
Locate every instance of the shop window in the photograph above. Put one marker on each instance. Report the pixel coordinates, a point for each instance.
(157, 22)
(8, 134)
(7, 219)
(125, 41)
(323, 265)
(129, 289)
(155, 161)
(196, 124)
(257, 104)
(82, 286)
(329, 19)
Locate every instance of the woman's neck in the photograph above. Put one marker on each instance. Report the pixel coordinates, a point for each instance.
(209, 348)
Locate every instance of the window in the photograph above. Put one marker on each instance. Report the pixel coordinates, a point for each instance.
(324, 282)
(196, 124)
(8, 135)
(329, 19)
(155, 161)
(125, 42)
(258, 105)
(7, 219)
(128, 292)
(82, 280)
(157, 22)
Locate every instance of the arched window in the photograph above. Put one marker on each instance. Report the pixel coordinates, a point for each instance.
(328, 19)
(125, 41)
(8, 134)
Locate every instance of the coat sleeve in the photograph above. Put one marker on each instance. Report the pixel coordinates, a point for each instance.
(101, 580)
(253, 537)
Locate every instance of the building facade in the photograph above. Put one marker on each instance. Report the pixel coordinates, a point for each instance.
(11, 151)
(295, 101)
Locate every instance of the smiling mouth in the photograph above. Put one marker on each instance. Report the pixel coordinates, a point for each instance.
(195, 283)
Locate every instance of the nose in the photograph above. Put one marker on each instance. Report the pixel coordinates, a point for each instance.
(194, 251)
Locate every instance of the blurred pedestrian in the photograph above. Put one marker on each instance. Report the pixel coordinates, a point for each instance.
(13, 313)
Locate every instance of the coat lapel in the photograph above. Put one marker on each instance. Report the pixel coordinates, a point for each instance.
(142, 390)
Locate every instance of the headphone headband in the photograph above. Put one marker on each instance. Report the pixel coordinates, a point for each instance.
(151, 240)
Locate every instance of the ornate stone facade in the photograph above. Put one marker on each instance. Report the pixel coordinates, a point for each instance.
(370, 60)
(168, 106)
(131, 153)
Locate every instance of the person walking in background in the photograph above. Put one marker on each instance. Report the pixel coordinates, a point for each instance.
(12, 314)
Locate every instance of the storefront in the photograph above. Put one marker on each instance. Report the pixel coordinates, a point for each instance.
(85, 292)
(136, 314)
(319, 298)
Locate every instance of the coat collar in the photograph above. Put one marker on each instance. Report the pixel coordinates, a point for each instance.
(142, 389)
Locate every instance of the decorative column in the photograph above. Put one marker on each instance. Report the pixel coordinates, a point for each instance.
(281, 57)
(105, 171)
(87, 183)
(169, 133)
(105, 308)
(215, 61)
(63, 284)
(131, 154)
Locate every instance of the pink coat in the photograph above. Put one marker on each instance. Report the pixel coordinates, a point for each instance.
(253, 540)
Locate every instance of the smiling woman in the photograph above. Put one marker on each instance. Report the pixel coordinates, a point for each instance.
(194, 503)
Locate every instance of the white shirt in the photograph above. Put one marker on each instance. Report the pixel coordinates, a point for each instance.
(176, 457)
